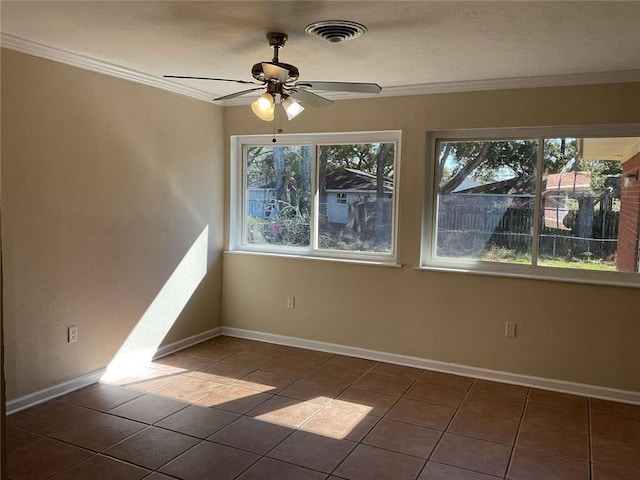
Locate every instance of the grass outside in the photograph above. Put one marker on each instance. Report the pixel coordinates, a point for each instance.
(505, 255)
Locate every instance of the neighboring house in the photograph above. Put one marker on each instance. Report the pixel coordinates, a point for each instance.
(559, 194)
(345, 187)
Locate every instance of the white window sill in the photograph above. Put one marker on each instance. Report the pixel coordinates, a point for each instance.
(631, 280)
(351, 260)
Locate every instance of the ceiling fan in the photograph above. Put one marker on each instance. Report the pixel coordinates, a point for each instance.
(281, 80)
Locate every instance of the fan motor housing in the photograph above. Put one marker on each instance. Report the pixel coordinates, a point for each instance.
(258, 73)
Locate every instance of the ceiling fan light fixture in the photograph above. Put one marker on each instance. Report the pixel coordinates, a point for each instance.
(292, 107)
(264, 107)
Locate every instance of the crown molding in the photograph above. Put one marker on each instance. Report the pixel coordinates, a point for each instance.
(88, 63)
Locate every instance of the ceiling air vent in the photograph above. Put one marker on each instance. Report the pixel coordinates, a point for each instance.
(335, 31)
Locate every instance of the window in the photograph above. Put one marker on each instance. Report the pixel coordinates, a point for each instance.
(327, 195)
(558, 203)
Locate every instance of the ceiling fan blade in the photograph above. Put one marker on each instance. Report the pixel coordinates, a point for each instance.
(272, 71)
(342, 86)
(211, 78)
(309, 98)
(237, 94)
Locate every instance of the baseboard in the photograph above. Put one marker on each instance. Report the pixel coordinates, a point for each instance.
(44, 395)
(486, 374)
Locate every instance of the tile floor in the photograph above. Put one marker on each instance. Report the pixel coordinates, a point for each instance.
(231, 408)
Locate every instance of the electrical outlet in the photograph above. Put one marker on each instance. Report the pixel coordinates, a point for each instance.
(291, 302)
(72, 334)
(510, 329)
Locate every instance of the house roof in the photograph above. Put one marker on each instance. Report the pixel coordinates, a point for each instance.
(568, 182)
(352, 179)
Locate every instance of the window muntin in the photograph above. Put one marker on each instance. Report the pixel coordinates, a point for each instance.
(316, 195)
(575, 220)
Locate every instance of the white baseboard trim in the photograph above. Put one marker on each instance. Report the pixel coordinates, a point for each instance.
(44, 395)
(483, 373)
(187, 342)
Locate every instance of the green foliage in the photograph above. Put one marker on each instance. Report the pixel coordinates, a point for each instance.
(360, 156)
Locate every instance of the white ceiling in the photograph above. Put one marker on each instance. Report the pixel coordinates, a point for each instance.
(409, 46)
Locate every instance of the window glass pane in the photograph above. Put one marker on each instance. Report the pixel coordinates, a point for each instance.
(581, 204)
(485, 200)
(278, 195)
(355, 204)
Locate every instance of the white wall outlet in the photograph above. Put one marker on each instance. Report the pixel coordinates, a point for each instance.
(72, 334)
(291, 302)
(510, 329)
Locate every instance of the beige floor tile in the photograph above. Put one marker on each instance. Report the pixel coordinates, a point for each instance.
(292, 365)
(312, 451)
(210, 350)
(99, 433)
(421, 414)
(336, 374)
(234, 399)
(437, 394)
(367, 463)
(43, 458)
(179, 363)
(473, 454)
(558, 399)
(252, 358)
(573, 419)
(493, 404)
(439, 471)
(148, 408)
(555, 441)
(265, 381)
(607, 472)
(351, 362)
(100, 396)
(16, 438)
(617, 409)
(270, 469)
(403, 438)
(312, 391)
(251, 434)
(50, 417)
(222, 372)
(615, 453)
(516, 392)
(448, 380)
(484, 427)
(285, 411)
(618, 428)
(340, 423)
(198, 421)
(188, 389)
(152, 448)
(530, 465)
(397, 370)
(365, 401)
(210, 461)
(382, 383)
(99, 467)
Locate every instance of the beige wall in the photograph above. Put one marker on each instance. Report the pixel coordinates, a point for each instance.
(573, 332)
(106, 184)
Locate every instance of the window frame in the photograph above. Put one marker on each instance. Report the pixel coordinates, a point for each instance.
(238, 197)
(428, 259)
